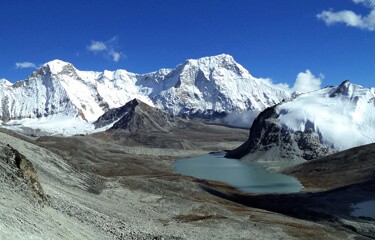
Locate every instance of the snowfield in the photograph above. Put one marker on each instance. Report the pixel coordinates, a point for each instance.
(58, 124)
(342, 117)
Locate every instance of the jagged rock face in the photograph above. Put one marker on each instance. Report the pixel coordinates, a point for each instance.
(136, 116)
(266, 135)
(312, 125)
(203, 87)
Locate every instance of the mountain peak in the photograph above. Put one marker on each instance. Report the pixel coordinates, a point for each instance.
(136, 116)
(56, 66)
(346, 88)
(213, 60)
(220, 57)
(4, 82)
(221, 61)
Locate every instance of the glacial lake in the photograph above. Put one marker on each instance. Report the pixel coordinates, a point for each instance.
(364, 209)
(245, 177)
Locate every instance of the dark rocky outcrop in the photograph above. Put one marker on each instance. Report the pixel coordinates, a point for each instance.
(112, 115)
(343, 88)
(137, 116)
(17, 170)
(266, 135)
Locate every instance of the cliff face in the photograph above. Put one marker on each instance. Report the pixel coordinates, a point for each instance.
(268, 139)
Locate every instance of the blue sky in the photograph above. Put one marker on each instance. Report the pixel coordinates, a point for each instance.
(271, 38)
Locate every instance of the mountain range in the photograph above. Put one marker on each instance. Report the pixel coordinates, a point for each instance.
(59, 99)
(109, 171)
(205, 87)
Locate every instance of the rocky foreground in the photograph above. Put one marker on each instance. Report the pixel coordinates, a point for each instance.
(121, 185)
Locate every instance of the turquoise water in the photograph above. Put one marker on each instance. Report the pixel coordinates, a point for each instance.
(245, 177)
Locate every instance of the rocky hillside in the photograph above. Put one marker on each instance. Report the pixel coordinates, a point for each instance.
(352, 166)
(18, 173)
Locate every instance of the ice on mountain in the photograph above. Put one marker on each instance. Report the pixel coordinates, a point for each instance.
(341, 116)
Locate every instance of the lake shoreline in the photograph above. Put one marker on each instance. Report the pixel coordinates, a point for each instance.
(244, 176)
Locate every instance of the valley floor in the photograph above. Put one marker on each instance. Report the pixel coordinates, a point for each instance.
(117, 185)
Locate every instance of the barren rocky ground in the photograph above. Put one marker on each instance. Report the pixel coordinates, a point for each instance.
(121, 185)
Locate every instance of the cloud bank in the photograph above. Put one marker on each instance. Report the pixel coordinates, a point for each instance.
(350, 18)
(240, 119)
(22, 65)
(107, 48)
(307, 82)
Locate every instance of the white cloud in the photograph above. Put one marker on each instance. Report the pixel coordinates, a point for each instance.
(115, 55)
(368, 3)
(281, 86)
(21, 65)
(97, 46)
(243, 119)
(108, 49)
(351, 18)
(307, 82)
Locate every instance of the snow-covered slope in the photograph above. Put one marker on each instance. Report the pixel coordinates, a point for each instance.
(59, 88)
(342, 116)
(213, 85)
(312, 125)
(204, 87)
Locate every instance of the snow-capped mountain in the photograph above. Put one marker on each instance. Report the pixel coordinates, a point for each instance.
(312, 125)
(343, 116)
(59, 88)
(202, 87)
(213, 85)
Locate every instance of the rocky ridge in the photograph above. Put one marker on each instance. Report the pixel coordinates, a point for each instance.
(137, 116)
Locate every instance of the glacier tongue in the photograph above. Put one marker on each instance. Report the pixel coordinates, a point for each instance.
(201, 87)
